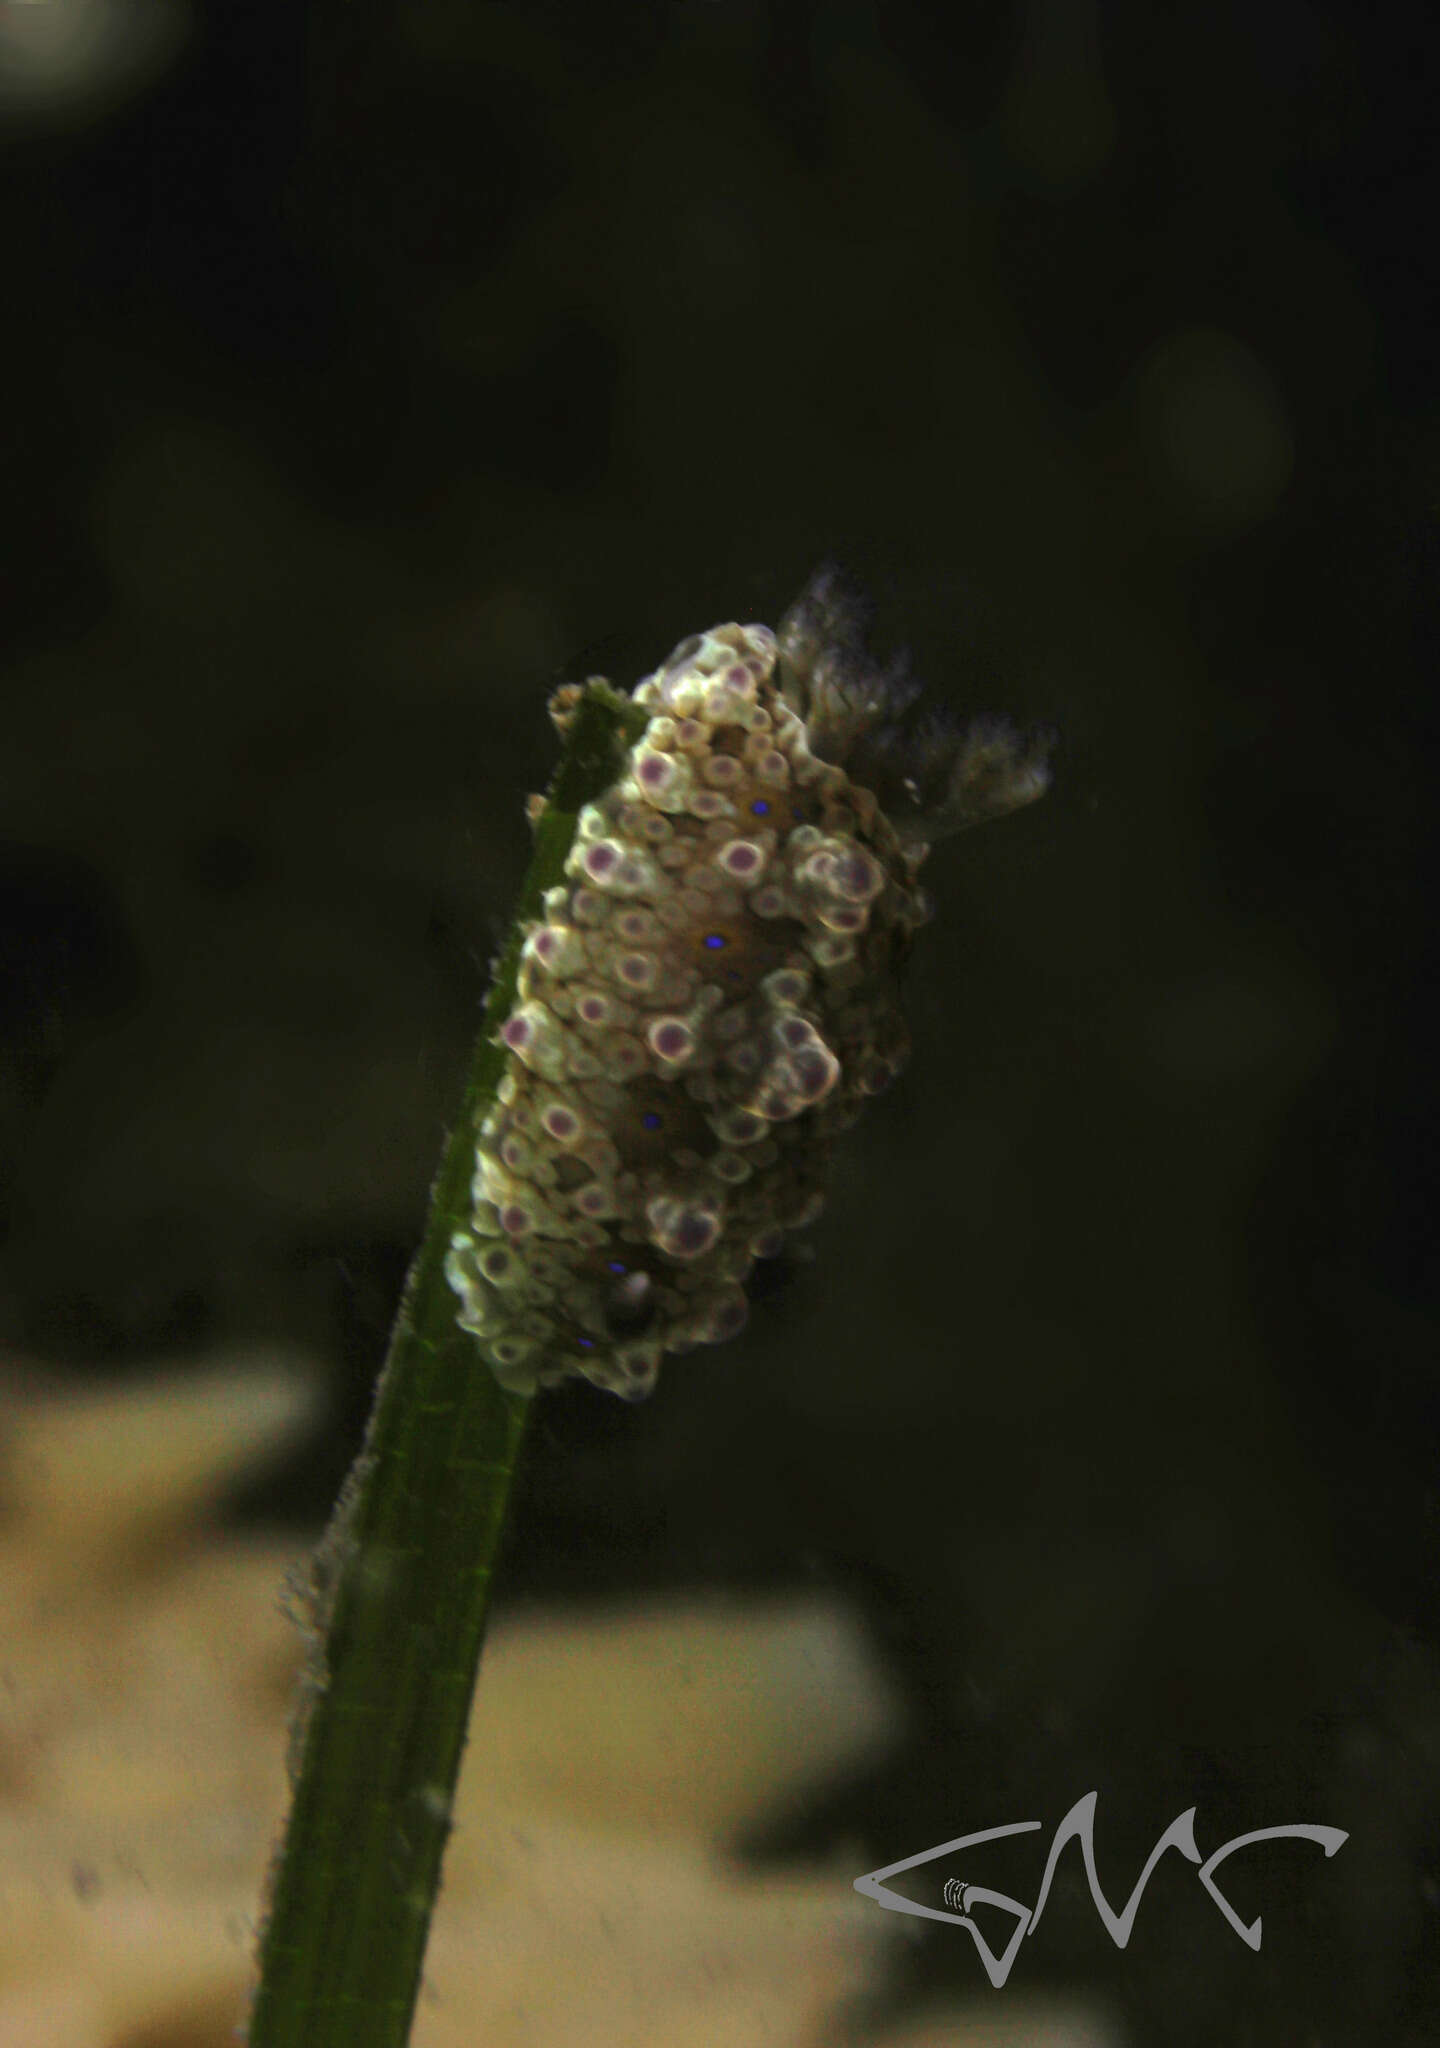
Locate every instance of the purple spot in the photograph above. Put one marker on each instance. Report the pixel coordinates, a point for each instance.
(694, 1233)
(586, 1343)
(856, 875)
(741, 858)
(651, 1121)
(815, 1072)
(672, 1040)
(517, 1033)
(713, 940)
(730, 1316)
(760, 807)
(616, 1266)
(600, 859)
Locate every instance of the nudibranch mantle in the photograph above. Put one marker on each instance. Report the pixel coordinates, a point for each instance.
(712, 994)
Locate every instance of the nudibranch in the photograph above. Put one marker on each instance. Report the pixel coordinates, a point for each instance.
(712, 993)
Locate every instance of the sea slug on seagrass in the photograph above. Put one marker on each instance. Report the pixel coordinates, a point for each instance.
(713, 992)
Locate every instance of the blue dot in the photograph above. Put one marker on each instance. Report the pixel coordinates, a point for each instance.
(616, 1266)
(713, 940)
(651, 1120)
(760, 807)
(586, 1343)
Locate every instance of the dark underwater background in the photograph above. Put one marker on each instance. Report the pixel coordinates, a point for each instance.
(370, 370)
